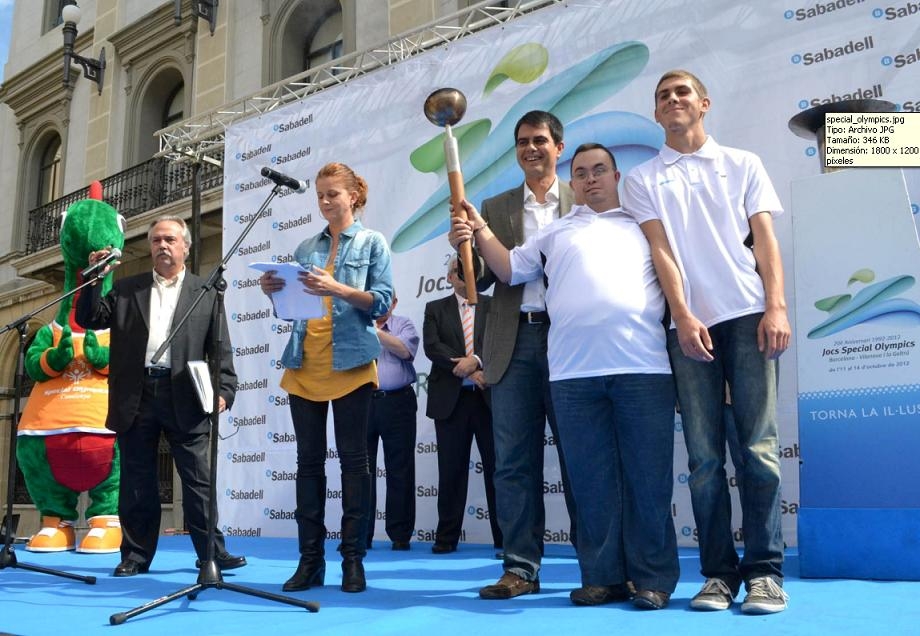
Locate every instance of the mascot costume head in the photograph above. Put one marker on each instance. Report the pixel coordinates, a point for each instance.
(63, 447)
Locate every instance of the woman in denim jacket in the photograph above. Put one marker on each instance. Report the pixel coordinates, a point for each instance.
(333, 359)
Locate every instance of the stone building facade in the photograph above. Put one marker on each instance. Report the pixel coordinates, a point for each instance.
(164, 64)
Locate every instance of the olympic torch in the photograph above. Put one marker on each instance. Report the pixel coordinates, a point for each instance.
(445, 107)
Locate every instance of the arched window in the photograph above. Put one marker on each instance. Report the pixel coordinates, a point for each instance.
(303, 35)
(175, 107)
(326, 41)
(161, 104)
(49, 172)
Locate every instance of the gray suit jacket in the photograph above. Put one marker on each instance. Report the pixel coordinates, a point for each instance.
(505, 215)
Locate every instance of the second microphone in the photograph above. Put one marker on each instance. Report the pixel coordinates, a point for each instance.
(295, 185)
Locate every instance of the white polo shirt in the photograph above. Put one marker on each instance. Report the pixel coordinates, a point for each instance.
(704, 201)
(603, 298)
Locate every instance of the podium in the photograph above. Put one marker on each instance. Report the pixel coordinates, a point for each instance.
(857, 256)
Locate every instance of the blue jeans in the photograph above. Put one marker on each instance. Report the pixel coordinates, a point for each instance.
(700, 389)
(617, 432)
(521, 404)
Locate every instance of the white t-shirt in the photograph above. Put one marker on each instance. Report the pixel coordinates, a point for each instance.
(704, 200)
(603, 297)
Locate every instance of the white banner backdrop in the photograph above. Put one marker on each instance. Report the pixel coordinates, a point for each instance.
(594, 64)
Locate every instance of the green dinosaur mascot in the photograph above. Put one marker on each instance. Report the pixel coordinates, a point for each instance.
(63, 446)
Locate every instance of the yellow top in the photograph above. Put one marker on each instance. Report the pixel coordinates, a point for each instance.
(316, 380)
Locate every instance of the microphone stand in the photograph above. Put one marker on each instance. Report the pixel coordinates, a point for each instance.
(7, 554)
(209, 575)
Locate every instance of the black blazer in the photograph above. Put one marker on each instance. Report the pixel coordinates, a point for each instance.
(443, 340)
(125, 311)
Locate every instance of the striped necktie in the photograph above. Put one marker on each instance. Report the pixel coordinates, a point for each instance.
(468, 328)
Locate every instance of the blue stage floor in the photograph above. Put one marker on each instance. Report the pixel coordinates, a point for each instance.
(413, 592)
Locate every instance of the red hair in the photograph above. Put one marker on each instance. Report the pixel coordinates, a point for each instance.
(353, 182)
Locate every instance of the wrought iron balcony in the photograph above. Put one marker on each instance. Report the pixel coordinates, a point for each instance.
(132, 192)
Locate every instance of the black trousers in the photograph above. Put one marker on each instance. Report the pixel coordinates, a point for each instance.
(470, 419)
(138, 496)
(393, 422)
(349, 415)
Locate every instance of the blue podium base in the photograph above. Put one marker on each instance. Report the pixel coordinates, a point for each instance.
(859, 543)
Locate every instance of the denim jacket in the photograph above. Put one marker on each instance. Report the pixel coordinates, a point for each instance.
(362, 262)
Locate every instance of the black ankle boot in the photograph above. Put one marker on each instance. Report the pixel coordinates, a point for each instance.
(309, 573)
(353, 575)
(311, 534)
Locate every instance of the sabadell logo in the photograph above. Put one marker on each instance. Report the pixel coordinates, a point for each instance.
(819, 9)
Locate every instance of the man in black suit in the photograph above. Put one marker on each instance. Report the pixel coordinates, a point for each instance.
(148, 398)
(458, 402)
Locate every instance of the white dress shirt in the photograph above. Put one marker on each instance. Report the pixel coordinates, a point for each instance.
(164, 295)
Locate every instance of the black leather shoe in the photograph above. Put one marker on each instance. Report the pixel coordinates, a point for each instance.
(226, 561)
(353, 575)
(400, 546)
(130, 568)
(443, 548)
(651, 599)
(309, 574)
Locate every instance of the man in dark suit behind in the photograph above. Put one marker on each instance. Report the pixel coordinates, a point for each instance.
(146, 399)
(458, 404)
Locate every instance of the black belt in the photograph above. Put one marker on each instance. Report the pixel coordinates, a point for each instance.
(157, 372)
(535, 317)
(468, 387)
(382, 394)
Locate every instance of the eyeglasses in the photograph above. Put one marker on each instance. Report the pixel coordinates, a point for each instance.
(597, 172)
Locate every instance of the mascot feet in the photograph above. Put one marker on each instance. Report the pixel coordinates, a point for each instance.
(55, 536)
(104, 535)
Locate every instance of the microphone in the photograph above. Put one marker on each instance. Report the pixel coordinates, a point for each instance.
(111, 257)
(296, 185)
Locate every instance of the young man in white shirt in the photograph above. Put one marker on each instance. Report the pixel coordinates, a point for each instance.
(698, 204)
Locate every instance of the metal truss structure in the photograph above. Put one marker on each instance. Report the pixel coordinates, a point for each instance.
(201, 138)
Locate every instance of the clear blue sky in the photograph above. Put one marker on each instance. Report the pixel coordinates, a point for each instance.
(6, 18)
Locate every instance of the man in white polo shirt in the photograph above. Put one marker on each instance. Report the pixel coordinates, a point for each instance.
(699, 203)
(610, 381)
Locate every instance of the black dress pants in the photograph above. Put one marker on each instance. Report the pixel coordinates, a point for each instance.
(471, 419)
(139, 497)
(393, 422)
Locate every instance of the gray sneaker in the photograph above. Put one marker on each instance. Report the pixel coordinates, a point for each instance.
(714, 595)
(765, 596)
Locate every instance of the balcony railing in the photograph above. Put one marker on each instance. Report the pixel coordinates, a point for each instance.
(132, 192)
